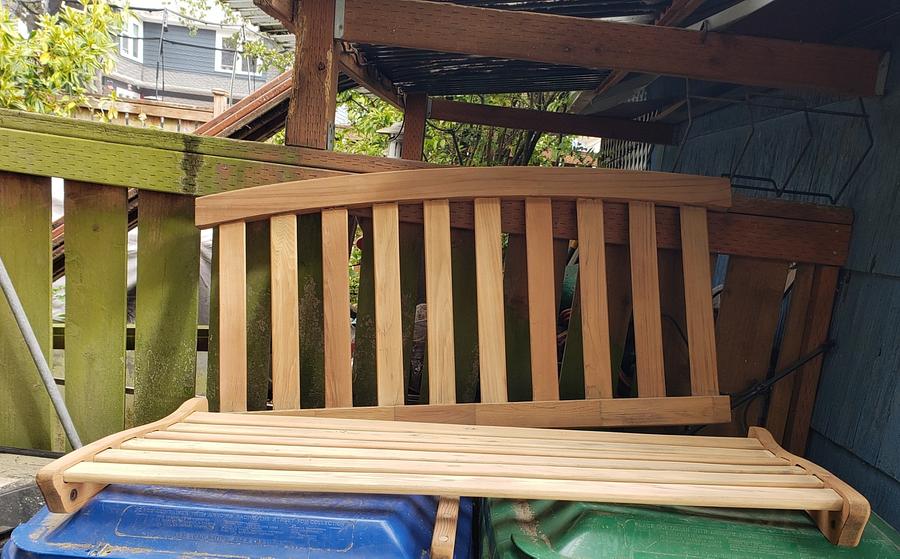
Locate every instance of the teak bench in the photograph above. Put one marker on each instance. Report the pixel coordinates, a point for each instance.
(490, 448)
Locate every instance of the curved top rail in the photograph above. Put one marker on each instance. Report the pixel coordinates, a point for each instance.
(461, 183)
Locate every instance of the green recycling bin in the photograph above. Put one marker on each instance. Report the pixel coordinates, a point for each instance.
(556, 529)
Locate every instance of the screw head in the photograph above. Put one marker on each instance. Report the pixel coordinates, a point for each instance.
(73, 494)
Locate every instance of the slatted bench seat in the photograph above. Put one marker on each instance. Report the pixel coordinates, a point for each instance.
(492, 447)
(194, 448)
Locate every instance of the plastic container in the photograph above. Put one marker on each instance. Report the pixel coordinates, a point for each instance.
(157, 522)
(558, 530)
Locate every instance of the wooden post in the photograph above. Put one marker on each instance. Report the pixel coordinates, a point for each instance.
(314, 85)
(220, 101)
(414, 118)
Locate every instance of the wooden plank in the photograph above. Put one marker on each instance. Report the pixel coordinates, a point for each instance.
(96, 299)
(567, 414)
(548, 121)
(388, 331)
(600, 44)
(443, 539)
(594, 313)
(26, 416)
(698, 302)
(349, 437)
(518, 341)
(824, 289)
(645, 297)
(791, 349)
(314, 83)
(489, 274)
(462, 183)
(439, 297)
(388, 463)
(541, 299)
(285, 313)
(259, 314)
(754, 288)
(336, 306)
(106, 134)
(348, 455)
(165, 358)
(677, 12)
(233, 321)
(497, 487)
(249, 108)
(314, 419)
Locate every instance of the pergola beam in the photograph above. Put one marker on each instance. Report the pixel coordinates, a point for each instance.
(365, 76)
(600, 44)
(553, 122)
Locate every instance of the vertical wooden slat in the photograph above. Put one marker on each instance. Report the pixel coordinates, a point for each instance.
(285, 313)
(96, 298)
(698, 302)
(259, 314)
(232, 317)
(26, 416)
(824, 290)
(165, 359)
(792, 348)
(491, 327)
(645, 299)
(594, 310)
(541, 297)
(388, 331)
(336, 309)
(439, 297)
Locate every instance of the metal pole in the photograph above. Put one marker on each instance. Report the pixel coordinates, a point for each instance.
(43, 368)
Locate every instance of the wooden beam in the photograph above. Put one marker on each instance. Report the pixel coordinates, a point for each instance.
(310, 119)
(250, 108)
(352, 65)
(547, 121)
(600, 44)
(282, 10)
(677, 12)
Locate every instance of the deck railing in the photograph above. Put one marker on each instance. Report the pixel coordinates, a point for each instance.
(770, 245)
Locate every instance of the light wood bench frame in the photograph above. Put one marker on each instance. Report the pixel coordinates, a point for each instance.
(383, 197)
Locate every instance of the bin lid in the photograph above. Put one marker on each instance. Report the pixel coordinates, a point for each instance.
(156, 522)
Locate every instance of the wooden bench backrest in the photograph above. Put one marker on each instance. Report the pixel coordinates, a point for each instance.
(485, 189)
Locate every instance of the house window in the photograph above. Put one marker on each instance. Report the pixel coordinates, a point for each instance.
(228, 56)
(130, 43)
